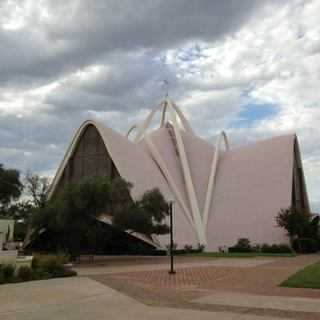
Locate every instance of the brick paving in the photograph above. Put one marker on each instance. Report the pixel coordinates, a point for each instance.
(158, 288)
(184, 278)
(263, 279)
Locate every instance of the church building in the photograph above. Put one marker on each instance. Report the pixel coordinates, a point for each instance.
(221, 193)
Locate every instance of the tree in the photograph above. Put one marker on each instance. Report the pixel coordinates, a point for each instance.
(302, 228)
(10, 187)
(145, 216)
(71, 217)
(37, 188)
(295, 222)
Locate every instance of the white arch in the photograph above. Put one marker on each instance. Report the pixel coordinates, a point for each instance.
(164, 169)
(211, 180)
(197, 219)
(163, 115)
(194, 217)
(68, 154)
(74, 141)
(163, 107)
(188, 178)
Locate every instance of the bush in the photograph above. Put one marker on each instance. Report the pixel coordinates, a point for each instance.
(25, 273)
(188, 248)
(43, 267)
(256, 248)
(49, 262)
(281, 248)
(243, 245)
(51, 266)
(8, 271)
(305, 245)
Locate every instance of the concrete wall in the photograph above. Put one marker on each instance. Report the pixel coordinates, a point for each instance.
(8, 257)
(5, 225)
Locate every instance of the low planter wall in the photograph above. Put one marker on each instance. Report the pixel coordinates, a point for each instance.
(8, 256)
(24, 261)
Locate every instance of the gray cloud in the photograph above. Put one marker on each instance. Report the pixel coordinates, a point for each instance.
(76, 33)
(62, 62)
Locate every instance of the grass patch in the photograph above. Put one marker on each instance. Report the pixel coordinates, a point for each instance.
(308, 277)
(238, 254)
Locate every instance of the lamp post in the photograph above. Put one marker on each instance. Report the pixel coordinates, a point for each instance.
(171, 208)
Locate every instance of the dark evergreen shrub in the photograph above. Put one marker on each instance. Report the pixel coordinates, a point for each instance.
(188, 248)
(200, 248)
(275, 248)
(305, 245)
(243, 245)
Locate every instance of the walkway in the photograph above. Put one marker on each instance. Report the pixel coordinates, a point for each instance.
(140, 288)
(84, 299)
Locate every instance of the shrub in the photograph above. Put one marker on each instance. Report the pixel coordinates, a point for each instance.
(281, 248)
(305, 245)
(50, 266)
(43, 267)
(284, 248)
(256, 248)
(243, 245)
(174, 247)
(49, 262)
(25, 273)
(188, 248)
(8, 271)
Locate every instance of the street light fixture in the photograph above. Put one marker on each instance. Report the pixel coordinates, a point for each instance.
(171, 210)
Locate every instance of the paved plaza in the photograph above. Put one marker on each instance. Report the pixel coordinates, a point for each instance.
(140, 288)
(82, 299)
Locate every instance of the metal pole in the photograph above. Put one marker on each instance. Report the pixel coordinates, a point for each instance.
(171, 237)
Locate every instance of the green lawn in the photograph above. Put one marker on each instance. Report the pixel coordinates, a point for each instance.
(308, 277)
(238, 254)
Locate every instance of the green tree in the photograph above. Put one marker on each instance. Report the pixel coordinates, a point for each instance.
(298, 224)
(71, 217)
(10, 187)
(146, 215)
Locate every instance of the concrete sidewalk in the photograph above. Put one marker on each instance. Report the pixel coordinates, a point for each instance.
(82, 299)
(262, 301)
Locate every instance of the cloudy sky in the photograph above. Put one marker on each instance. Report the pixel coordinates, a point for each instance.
(251, 68)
